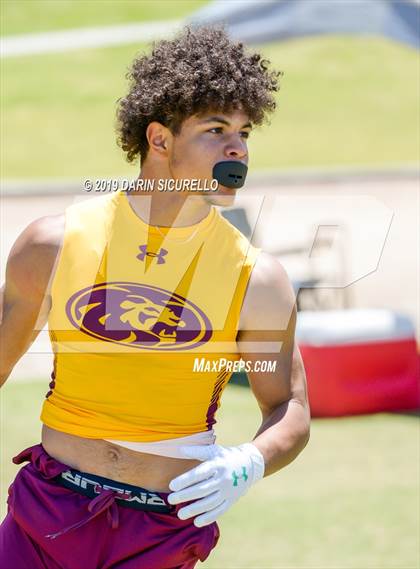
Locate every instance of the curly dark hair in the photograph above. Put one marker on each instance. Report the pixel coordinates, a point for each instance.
(199, 70)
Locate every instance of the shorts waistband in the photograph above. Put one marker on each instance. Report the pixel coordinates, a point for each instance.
(126, 495)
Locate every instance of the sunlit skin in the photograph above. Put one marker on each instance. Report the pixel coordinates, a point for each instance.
(191, 154)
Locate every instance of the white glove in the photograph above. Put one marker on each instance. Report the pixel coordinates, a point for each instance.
(225, 476)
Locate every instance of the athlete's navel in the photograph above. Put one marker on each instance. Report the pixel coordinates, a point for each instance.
(113, 455)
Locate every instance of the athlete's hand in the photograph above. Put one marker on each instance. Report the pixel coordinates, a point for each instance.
(225, 475)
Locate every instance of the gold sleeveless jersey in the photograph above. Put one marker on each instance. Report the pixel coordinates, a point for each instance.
(135, 308)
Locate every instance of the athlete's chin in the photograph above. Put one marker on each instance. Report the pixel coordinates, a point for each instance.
(221, 199)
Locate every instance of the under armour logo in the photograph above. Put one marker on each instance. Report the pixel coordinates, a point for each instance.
(236, 477)
(159, 255)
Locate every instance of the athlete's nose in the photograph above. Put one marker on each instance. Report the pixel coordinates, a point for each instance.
(236, 150)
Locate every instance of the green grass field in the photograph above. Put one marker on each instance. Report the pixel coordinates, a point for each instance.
(343, 102)
(349, 501)
(31, 16)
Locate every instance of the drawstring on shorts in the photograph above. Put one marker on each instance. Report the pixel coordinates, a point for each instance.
(50, 468)
(104, 501)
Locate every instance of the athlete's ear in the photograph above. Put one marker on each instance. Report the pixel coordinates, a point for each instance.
(158, 137)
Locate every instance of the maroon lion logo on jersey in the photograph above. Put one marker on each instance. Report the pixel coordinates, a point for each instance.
(140, 316)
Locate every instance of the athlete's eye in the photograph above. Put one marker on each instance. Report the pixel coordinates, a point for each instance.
(245, 134)
(216, 129)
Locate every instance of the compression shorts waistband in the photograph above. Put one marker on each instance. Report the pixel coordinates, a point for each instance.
(127, 495)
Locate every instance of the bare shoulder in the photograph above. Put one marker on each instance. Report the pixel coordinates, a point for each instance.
(33, 255)
(269, 277)
(267, 271)
(42, 236)
(270, 297)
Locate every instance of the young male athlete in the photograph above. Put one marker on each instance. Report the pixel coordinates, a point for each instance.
(151, 298)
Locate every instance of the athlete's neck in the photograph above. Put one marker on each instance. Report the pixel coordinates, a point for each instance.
(167, 209)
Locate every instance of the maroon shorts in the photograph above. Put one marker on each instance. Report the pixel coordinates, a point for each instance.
(50, 526)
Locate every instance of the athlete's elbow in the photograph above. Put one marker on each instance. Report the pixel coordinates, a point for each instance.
(306, 436)
(303, 430)
(3, 376)
(6, 366)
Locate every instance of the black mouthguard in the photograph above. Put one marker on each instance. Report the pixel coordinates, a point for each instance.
(230, 173)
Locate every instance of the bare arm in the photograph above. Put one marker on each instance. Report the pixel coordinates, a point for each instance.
(1, 301)
(268, 322)
(25, 300)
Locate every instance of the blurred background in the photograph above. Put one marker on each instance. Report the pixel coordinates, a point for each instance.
(333, 192)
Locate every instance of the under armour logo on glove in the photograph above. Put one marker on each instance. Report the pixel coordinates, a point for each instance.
(159, 255)
(226, 474)
(236, 477)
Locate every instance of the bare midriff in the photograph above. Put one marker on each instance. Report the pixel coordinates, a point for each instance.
(100, 457)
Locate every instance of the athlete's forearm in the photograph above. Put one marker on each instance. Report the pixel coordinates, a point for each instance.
(3, 375)
(283, 435)
(17, 332)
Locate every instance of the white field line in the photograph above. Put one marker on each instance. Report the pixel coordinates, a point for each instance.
(67, 40)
